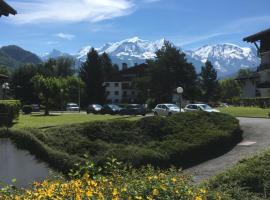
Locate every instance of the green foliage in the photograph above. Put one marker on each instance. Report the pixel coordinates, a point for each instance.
(91, 73)
(9, 111)
(47, 87)
(178, 140)
(22, 85)
(168, 71)
(249, 179)
(245, 73)
(27, 109)
(209, 82)
(229, 89)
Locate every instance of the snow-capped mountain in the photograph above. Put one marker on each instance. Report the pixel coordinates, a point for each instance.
(226, 58)
(130, 51)
(54, 54)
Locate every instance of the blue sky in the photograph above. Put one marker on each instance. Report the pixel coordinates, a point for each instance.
(68, 25)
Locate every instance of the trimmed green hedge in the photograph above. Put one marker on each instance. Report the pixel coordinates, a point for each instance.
(180, 140)
(9, 111)
(249, 179)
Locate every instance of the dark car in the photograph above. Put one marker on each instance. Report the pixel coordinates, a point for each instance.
(111, 109)
(134, 109)
(94, 108)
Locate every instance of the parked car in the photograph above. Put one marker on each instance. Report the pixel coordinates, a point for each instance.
(94, 108)
(111, 109)
(133, 109)
(166, 109)
(72, 107)
(200, 107)
(35, 107)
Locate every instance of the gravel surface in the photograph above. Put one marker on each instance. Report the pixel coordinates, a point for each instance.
(256, 137)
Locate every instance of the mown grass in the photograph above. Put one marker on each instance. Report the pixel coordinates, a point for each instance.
(41, 121)
(246, 111)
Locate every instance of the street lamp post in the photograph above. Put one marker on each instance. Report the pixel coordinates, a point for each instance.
(180, 91)
(62, 103)
(5, 87)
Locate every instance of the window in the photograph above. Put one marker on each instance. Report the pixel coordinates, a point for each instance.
(116, 84)
(108, 92)
(133, 93)
(125, 93)
(116, 100)
(107, 84)
(116, 93)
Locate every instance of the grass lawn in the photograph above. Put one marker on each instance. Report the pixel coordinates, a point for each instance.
(41, 121)
(246, 111)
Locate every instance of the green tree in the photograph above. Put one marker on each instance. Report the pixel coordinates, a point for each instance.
(22, 85)
(209, 82)
(47, 87)
(91, 73)
(229, 88)
(245, 73)
(109, 70)
(60, 67)
(4, 70)
(169, 70)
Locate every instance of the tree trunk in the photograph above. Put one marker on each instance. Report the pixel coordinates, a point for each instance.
(47, 107)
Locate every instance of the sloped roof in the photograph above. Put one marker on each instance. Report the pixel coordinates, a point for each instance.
(258, 36)
(6, 9)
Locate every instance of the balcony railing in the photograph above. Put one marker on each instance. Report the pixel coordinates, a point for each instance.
(263, 85)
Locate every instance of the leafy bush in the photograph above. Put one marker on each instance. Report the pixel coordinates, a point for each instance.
(9, 111)
(27, 109)
(249, 179)
(121, 183)
(180, 140)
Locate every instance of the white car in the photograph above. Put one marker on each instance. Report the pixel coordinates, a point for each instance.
(166, 109)
(200, 107)
(73, 107)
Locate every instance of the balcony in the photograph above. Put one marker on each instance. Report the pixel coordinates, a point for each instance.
(263, 85)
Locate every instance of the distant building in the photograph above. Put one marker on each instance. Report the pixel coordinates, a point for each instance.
(258, 85)
(6, 9)
(120, 89)
(3, 79)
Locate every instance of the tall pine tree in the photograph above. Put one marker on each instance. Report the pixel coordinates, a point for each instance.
(168, 71)
(209, 82)
(109, 70)
(91, 73)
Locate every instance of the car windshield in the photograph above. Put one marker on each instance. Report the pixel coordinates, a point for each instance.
(72, 105)
(97, 106)
(114, 106)
(205, 107)
(172, 106)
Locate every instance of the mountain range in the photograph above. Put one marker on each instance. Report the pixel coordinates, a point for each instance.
(226, 58)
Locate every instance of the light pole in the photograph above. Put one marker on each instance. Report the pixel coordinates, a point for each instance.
(79, 97)
(180, 91)
(62, 103)
(5, 87)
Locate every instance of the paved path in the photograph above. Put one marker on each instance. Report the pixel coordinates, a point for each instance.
(256, 138)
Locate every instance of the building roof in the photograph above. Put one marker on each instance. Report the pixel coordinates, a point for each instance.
(258, 36)
(6, 9)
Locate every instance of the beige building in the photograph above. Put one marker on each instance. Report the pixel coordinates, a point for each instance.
(258, 85)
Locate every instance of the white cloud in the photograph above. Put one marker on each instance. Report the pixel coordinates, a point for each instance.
(51, 11)
(65, 36)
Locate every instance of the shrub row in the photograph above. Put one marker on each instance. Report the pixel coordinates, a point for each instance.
(249, 179)
(259, 102)
(9, 111)
(180, 140)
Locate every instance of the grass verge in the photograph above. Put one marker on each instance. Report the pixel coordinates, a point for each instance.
(246, 111)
